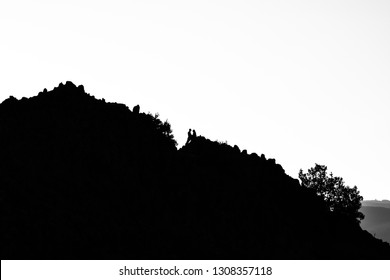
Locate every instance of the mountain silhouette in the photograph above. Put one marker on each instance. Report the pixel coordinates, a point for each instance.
(85, 179)
(376, 203)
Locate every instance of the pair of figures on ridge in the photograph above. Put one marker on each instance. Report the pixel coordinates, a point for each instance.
(191, 136)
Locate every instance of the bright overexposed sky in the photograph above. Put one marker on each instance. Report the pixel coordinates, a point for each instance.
(303, 82)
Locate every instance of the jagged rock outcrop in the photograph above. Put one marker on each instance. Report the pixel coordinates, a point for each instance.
(85, 179)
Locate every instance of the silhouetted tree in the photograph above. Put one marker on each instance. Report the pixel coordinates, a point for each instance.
(340, 198)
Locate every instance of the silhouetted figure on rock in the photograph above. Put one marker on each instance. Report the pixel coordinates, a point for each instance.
(136, 109)
(189, 137)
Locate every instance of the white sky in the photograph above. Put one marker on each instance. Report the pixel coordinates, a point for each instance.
(303, 82)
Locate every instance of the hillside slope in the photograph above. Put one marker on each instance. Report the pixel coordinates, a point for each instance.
(377, 221)
(85, 179)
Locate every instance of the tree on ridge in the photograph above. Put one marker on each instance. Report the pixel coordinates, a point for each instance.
(340, 198)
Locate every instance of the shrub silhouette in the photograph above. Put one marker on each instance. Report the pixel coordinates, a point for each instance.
(340, 198)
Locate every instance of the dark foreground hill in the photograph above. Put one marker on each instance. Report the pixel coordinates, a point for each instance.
(85, 179)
